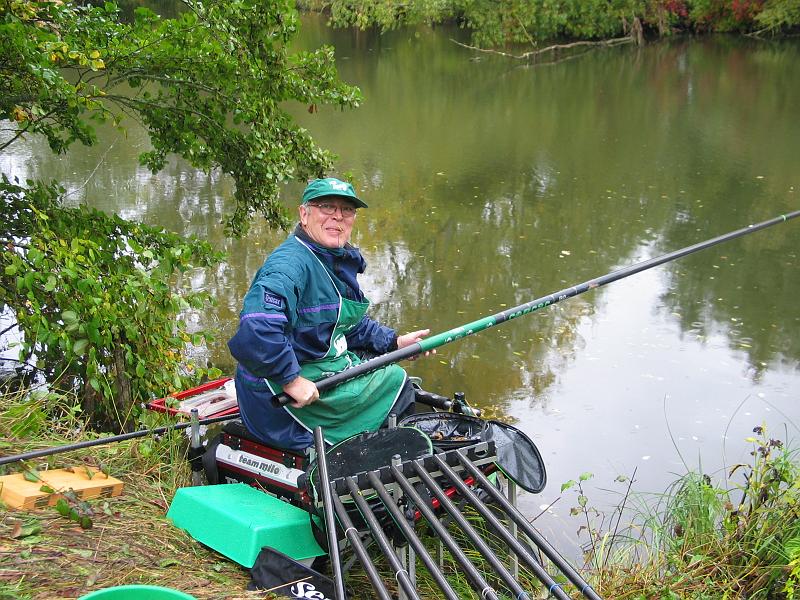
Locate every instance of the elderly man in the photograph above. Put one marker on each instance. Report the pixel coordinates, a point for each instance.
(303, 316)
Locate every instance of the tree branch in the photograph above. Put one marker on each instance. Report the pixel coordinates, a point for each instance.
(554, 48)
(5, 331)
(19, 134)
(184, 82)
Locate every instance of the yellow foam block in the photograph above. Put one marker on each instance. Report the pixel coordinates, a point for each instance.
(86, 482)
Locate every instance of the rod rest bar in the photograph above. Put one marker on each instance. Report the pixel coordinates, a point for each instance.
(479, 454)
(431, 399)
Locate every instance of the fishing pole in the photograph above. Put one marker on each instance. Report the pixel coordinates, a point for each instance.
(5, 460)
(435, 341)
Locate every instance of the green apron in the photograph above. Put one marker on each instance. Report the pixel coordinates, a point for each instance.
(361, 404)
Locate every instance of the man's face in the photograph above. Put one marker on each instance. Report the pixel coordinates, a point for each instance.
(328, 230)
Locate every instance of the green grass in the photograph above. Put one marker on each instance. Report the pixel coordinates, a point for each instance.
(701, 539)
(44, 555)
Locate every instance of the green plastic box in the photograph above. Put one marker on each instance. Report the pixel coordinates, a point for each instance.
(237, 521)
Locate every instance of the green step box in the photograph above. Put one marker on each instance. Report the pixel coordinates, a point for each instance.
(237, 521)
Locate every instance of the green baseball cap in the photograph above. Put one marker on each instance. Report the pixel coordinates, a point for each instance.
(330, 186)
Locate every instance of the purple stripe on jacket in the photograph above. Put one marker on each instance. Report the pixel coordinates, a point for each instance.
(246, 375)
(320, 308)
(276, 316)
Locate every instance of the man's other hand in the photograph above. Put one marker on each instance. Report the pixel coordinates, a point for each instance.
(412, 338)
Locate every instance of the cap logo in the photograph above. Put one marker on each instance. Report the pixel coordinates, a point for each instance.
(338, 185)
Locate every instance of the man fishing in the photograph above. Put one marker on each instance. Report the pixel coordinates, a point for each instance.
(303, 317)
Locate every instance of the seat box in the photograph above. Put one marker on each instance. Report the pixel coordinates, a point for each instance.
(237, 521)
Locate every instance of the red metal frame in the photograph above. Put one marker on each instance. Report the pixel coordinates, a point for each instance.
(160, 405)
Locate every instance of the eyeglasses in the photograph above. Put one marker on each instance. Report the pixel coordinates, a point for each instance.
(329, 209)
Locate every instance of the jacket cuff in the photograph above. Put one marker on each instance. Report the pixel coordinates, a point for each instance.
(392, 343)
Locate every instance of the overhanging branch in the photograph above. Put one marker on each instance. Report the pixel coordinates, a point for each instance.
(550, 49)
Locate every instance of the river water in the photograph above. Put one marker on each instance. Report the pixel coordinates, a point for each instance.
(491, 182)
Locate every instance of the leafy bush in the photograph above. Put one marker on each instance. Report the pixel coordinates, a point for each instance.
(93, 297)
(779, 15)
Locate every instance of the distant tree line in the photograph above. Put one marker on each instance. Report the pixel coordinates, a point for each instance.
(497, 22)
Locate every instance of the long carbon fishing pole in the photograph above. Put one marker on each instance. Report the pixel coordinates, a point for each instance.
(435, 341)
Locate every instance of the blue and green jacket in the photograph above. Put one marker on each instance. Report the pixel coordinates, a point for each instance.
(288, 317)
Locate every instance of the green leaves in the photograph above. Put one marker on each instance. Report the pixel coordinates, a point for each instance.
(75, 510)
(31, 475)
(571, 483)
(79, 347)
(19, 531)
(209, 85)
(101, 317)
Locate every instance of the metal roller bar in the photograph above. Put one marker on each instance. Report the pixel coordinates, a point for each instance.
(479, 543)
(351, 535)
(487, 592)
(330, 521)
(517, 547)
(529, 530)
(412, 538)
(401, 574)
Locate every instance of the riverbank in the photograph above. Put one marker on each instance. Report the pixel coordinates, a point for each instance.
(539, 23)
(701, 539)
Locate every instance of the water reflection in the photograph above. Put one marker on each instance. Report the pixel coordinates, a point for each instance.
(491, 184)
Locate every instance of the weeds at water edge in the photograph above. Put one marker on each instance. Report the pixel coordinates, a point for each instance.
(700, 540)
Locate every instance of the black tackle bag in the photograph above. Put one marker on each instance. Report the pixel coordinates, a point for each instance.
(278, 573)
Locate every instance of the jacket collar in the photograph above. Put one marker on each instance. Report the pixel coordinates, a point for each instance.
(348, 252)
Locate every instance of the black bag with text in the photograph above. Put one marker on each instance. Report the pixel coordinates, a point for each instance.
(278, 573)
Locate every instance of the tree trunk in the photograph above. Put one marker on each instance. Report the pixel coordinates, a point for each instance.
(124, 399)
